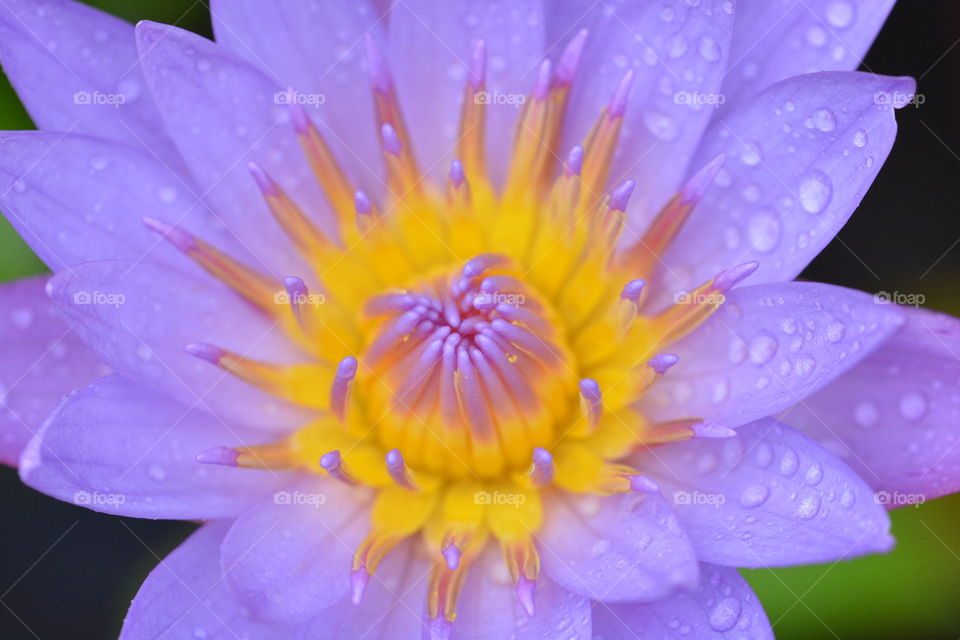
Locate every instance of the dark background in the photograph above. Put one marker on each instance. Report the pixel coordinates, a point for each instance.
(66, 572)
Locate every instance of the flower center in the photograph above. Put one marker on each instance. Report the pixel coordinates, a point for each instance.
(469, 372)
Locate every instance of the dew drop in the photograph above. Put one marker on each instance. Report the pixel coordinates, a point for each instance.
(824, 120)
(763, 230)
(750, 155)
(913, 406)
(789, 463)
(840, 14)
(809, 507)
(725, 614)
(754, 496)
(815, 191)
(814, 474)
(709, 49)
(762, 349)
(860, 138)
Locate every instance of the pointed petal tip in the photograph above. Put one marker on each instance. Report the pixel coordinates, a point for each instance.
(621, 195)
(697, 185)
(358, 585)
(526, 593)
(224, 456)
(172, 233)
(264, 182)
(618, 101)
(542, 88)
(478, 65)
(204, 351)
(640, 483)
(451, 555)
(377, 65)
(713, 430)
(391, 141)
(570, 60)
(733, 276)
(574, 163)
(457, 176)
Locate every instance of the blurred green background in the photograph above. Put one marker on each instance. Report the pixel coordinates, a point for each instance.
(904, 230)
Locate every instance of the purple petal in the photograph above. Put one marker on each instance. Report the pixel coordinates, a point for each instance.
(767, 348)
(800, 157)
(41, 362)
(138, 317)
(679, 51)
(488, 607)
(289, 557)
(723, 606)
(75, 199)
(775, 40)
(617, 549)
(75, 69)
(392, 604)
(222, 114)
(431, 45)
(769, 497)
(317, 49)
(185, 596)
(893, 418)
(149, 471)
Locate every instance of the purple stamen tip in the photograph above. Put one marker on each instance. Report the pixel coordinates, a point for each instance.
(479, 264)
(347, 368)
(358, 584)
(590, 389)
(264, 182)
(542, 89)
(451, 553)
(632, 290)
(330, 461)
(225, 456)
(526, 593)
(696, 186)
(391, 141)
(711, 429)
(574, 161)
(175, 235)
(295, 287)
(478, 65)
(543, 468)
(395, 460)
(379, 74)
(362, 203)
(735, 275)
(621, 195)
(618, 101)
(570, 59)
(640, 483)
(662, 361)
(204, 351)
(457, 176)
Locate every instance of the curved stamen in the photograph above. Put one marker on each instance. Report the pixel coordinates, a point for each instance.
(332, 463)
(543, 468)
(340, 389)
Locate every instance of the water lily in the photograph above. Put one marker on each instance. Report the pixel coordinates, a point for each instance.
(463, 319)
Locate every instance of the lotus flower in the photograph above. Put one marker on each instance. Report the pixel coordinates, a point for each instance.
(432, 313)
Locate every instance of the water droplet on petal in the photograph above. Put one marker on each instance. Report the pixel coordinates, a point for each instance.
(709, 48)
(725, 614)
(860, 138)
(815, 191)
(824, 120)
(913, 406)
(840, 14)
(764, 231)
(754, 496)
(762, 349)
(809, 507)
